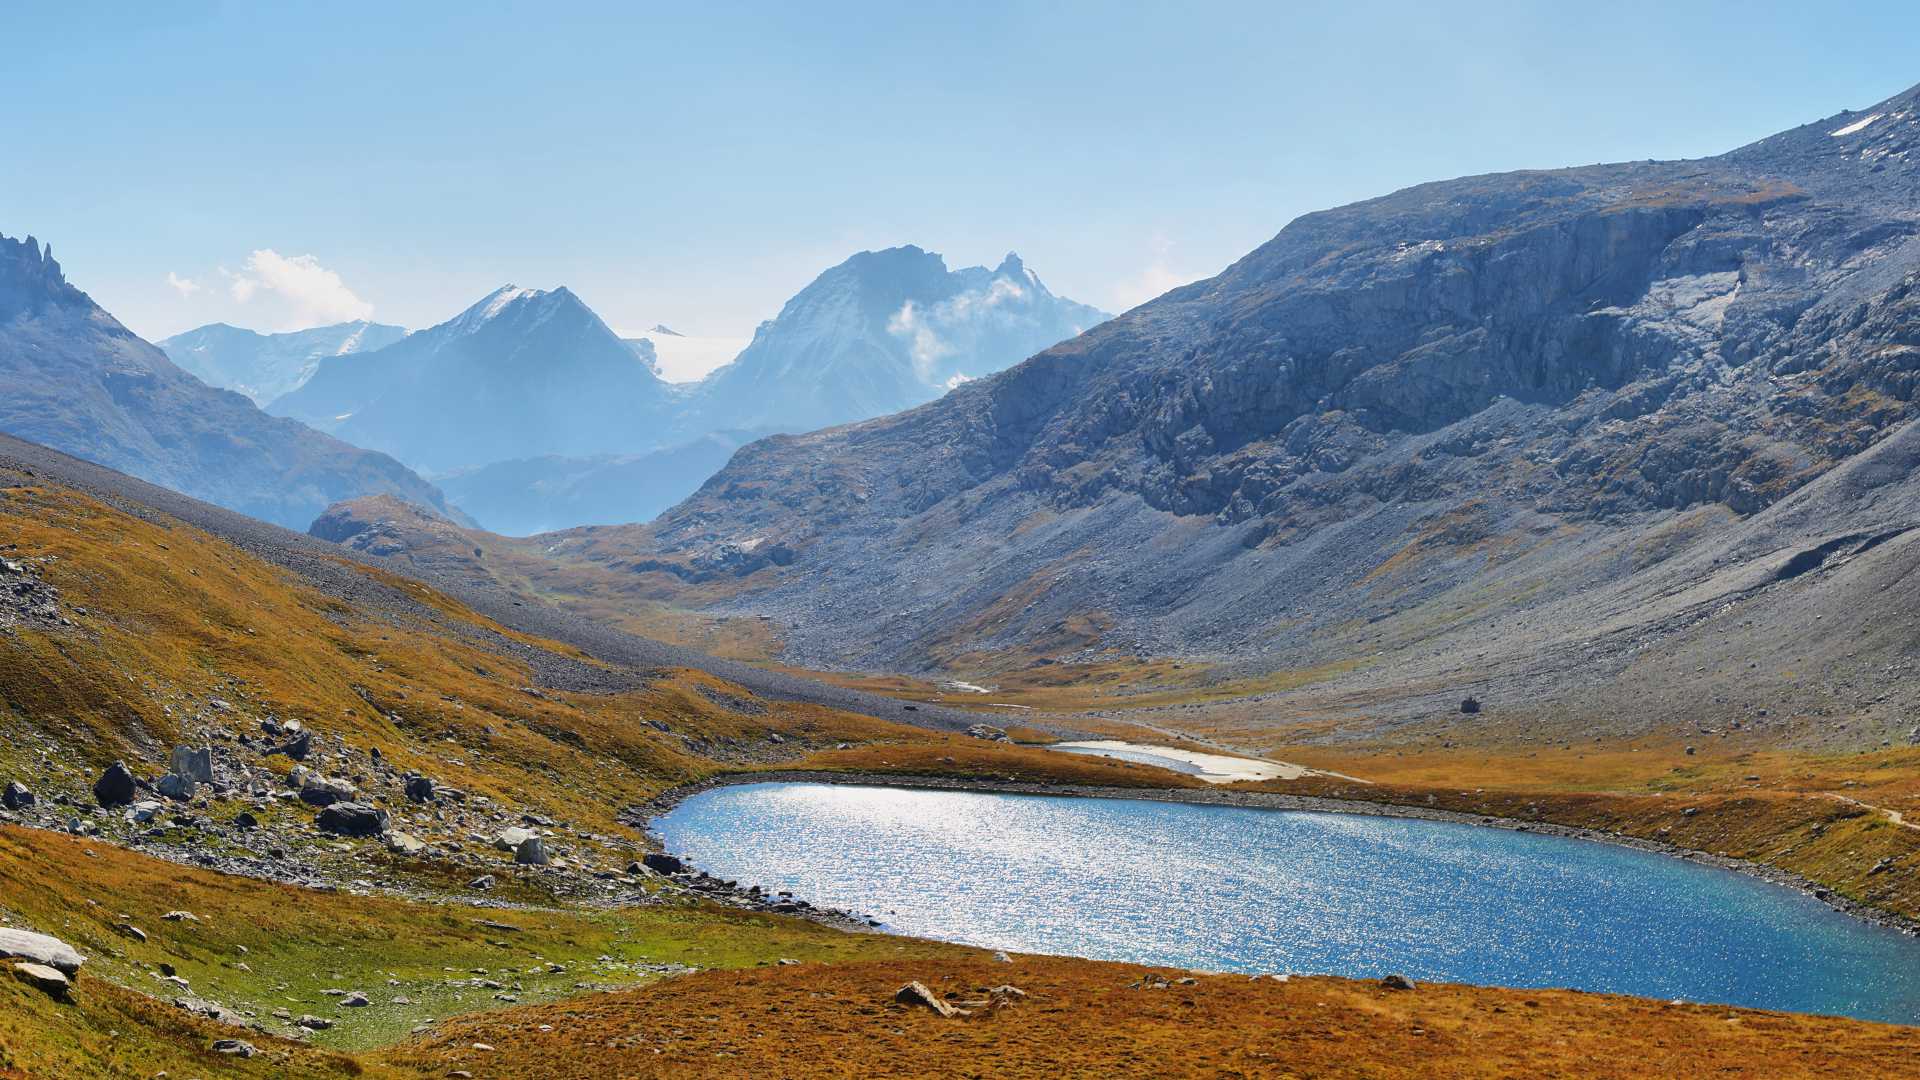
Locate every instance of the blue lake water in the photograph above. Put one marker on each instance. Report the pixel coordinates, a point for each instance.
(1230, 889)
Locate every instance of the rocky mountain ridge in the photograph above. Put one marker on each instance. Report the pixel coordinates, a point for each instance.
(522, 373)
(73, 378)
(1402, 428)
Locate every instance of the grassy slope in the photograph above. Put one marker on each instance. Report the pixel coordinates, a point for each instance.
(1085, 1019)
(174, 619)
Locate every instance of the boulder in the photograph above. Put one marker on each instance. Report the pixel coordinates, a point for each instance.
(1398, 982)
(144, 811)
(352, 819)
(481, 883)
(40, 949)
(531, 852)
(16, 796)
(297, 747)
(314, 1023)
(115, 786)
(234, 1048)
(662, 863)
(194, 762)
(419, 789)
(916, 993)
(355, 1000)
(511, 839)
(405, 843)
(1470, 706)
(325, 791)
(989, 733)
(48, 980)
(245, 820)
(176, 787)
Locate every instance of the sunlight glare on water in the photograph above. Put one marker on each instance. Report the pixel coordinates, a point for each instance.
(1233, 889)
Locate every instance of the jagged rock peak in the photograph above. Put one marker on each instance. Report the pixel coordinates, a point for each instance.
(29, 276)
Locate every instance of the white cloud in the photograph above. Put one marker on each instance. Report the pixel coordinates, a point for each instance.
(1155, 278)
(923, 344)
(183, 286)
(311, 294)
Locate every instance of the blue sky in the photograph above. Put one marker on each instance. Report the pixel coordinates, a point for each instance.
(272, 164)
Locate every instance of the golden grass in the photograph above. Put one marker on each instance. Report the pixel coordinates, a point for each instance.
(1082, 1018)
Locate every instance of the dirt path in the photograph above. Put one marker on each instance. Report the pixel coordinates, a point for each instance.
(1894, 816)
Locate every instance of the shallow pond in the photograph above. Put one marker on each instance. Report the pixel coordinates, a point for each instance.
(1233, 889)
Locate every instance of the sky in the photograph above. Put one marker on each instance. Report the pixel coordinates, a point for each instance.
(286, 165)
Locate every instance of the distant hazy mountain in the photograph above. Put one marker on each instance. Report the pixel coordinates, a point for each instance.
(546, 494)
(267, 366)
(881, 332)
(544, 418)
(522, 373)
(74, 379)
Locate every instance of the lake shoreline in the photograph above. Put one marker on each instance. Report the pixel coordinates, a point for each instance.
(642, 815)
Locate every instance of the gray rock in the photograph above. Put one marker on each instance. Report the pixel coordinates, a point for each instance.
(401, 843)
(511, 839)
(46, 979)
(144, 811)
(297, 747)
(40, 949)
(354, 1000)
(115, 786)
(314, 1023)
(194, 762)
(16, 796)
(916, 993)
(661, 863)
(175, 786)
(481, 883)
(531, 852)
(419, 789)
(352, 819)
(1398, 982)
(234, 1048)
(325, 791)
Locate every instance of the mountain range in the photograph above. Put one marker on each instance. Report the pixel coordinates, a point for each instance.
(267, 366)
(73, 378)
(1575, 437)
(540, 416)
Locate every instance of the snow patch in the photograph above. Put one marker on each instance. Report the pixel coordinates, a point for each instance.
(1858, 125)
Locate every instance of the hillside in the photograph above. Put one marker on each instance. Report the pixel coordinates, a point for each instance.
(1568, 441)
(72, 377)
